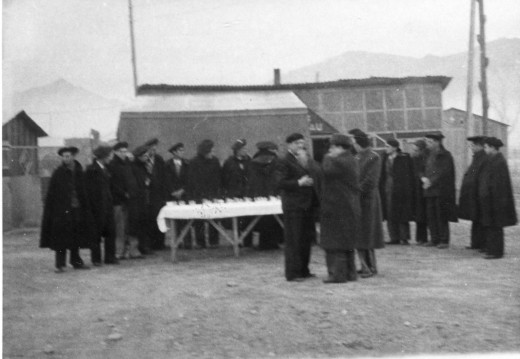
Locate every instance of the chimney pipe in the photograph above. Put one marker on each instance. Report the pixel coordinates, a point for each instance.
(277, 78)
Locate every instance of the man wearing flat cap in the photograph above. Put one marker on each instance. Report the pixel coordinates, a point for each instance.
(496, 200)
(97, 180)
(397, 196)
(297, 179)
(468, 207)
(439, 190)
(371, 229)
(67, 220)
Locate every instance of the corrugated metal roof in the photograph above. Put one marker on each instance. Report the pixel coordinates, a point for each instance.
(372, 81)
(216, 101)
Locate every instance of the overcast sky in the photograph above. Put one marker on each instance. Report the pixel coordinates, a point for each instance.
(223, 41)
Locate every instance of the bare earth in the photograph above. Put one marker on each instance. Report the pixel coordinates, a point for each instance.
(213, 305)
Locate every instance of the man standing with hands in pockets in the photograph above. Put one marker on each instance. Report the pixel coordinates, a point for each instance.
(296, 177)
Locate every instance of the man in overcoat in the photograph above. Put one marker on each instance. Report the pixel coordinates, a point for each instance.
(204, 183)
(371, 231)
(495, 195)
(340, 210)
(67, 220)
(297, 179)
(395, 186)
(97, 183)
(439, 191)
(468, 207)
(419, 155)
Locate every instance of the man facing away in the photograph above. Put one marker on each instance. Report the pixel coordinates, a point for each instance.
(296, 177)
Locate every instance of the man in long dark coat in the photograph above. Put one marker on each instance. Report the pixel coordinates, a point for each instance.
(468, 200)
(97, 183)
(439, 191)
(397, 197)
(204, 183)
(67, 220)
(419, 155)
(235, 181)
(262, 183)
(340, 210)
(176, 173)
(297, 176)
(495, 195)
(371, 231)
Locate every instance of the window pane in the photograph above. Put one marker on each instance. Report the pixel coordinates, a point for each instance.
(395, 120)
(374, 99)
(353, 101)
(413, 97)
(415, 120)
(432, 97)
(355, 120)
(394, 98)
(332, 101)
(433, 119)
(375, 121)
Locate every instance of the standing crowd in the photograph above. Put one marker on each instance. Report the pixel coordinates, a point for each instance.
(116, 200)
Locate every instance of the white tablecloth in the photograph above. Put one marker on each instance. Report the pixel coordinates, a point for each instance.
(219, 209)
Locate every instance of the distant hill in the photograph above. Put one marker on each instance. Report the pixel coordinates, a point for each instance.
(503, 76)
(64, 110)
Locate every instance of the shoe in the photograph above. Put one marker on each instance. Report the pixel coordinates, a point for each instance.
(366, 275)
(138, 256)
(482, 250)
(405, 243)
(97, 264)
(59, 270)
(470, 247)
(443, 245)
(330, 280)
(491, 256)
(309, 275)
(297, 279)
(429, 244)
(112, 261)
(81, 266)
(392, 242)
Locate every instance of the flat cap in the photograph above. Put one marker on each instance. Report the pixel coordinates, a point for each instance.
(139, 151)
(176, 146)
(119, 145)
(102, 151)
(493, 142)
(338, 139)
(393, 142)
(72, 149)
(238, 144)
(266, 145)
(294, 137)
(435, 136)
(479, 140)
(152, 142)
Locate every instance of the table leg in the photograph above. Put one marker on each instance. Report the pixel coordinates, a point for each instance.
(248, 229)
(173, 243)
(277, 217)
(236, 239)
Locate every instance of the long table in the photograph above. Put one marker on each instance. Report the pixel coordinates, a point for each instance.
(210, 211)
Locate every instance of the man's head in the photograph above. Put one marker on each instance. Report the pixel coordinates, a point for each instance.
(476, 143)
(339, 144)
(361, 139)
(141, 153)
(492, 145)
(239, 148)
(177, 150)
(121, 150)
(295, 142)
(206, 149)
(152, 145)
(392, 146)
(418, 147)
(103, 153)
(434, 140)
(68, 154)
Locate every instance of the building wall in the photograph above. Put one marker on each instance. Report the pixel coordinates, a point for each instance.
(22, 206)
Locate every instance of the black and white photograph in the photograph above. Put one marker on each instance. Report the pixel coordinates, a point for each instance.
(260, 179)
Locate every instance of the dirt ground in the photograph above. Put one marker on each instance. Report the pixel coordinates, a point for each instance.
(213, 305)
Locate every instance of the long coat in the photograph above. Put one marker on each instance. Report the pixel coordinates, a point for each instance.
(158, 186)
(468, 199)
(372, 236)
(120, 171)
(261, 175)
(204, 178)
(419, 163)
(176, 181)
(139, 199)
(396, 187)
(97, 185)
(235, 176)
(340, 206)
(495, 194)
(59, 230)
(440, 170)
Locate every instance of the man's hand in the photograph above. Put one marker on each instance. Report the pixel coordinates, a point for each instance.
(178, 194)
(305, 181)
(426, 183)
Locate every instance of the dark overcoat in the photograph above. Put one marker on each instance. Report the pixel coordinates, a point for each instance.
(372, 236)
(419, 163)
(468, 198)
(204, 179)
(440, 170)
(120, 171)
(340, 206)
(158, 186)
(59, 229)
(261, 175)
(235, 176)
(97, 184)
(495, 194)
(176, 181)
(139, 199)
(397, 190)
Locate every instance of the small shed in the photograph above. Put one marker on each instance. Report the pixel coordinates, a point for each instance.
(222, 116)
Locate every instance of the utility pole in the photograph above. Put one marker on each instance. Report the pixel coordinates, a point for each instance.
(470, 121)
(132, 44)
(484, 62)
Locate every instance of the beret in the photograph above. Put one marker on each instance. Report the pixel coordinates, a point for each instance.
(139, 151)
(152, 142)
(176, 146)
(494, 142)
(238, 144)
(294, 137)
(338, 139)
(120, 145)
(435, 136)
(392, 142)
(266, 145)
(102, 151)
(72, 149)
(479, 140)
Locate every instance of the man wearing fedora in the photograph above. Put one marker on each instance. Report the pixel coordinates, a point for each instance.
(495, 196)
(67, 221)
(97, 181)
(469, 206)
(439, 190)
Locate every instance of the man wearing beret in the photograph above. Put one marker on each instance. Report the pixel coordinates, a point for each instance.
(97, 181)
(468, 207)
(297, 178)
(495, 196)
(67, 219)
(439, 191)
